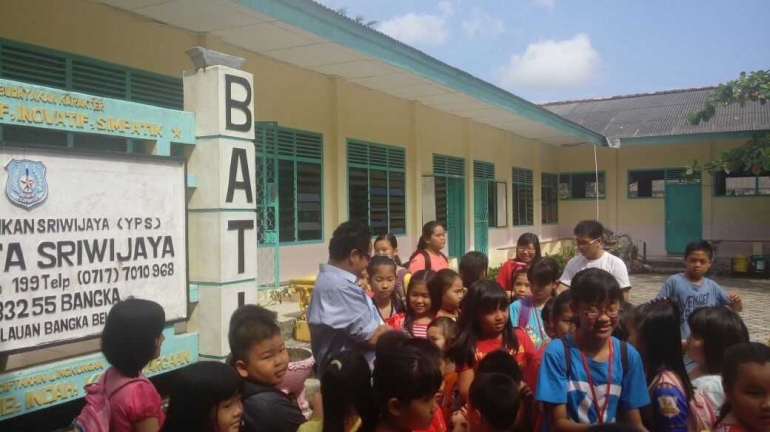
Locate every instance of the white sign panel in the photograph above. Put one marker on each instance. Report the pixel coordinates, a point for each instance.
(79, 233)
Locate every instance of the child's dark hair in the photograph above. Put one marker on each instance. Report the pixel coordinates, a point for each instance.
(658, 327)
(406, 373)
(559, 302)
(424, 277)
(473, 266)
(380, 260)
(427, 231)
(527, 239)
(720, 328)
(496, 397)
(735, 357)
(500, 362)
(589, 228)
(131, 333)
(547, 311)
(346, 391)
(439, 284)
(390, 238)
(627, 313)
(448, 327)
(348, 237)
(543, 272)
(483, 297)
(389, 341)
(250, 325)
(199, 389)
(612, 427)
(595, 285)
(700, 245)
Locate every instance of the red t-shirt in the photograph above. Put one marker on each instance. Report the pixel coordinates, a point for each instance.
(524, 356)
(723, 427)
(437, 424)
(507, 271)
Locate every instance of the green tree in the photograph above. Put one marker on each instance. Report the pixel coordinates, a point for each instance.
(754, 156)
(359, 18)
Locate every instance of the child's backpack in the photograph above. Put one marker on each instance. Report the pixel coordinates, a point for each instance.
(95, 416)
(525, 312)
(701, 416)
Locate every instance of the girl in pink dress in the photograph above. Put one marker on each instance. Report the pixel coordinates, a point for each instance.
(131, 338)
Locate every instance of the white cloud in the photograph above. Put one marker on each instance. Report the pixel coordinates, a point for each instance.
(551, 64)
(481, 23)
(548, 4)
(420, 29)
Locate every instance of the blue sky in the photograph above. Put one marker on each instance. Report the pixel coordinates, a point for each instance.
(548, 50)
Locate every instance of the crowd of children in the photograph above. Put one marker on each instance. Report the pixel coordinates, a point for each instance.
(534, 350)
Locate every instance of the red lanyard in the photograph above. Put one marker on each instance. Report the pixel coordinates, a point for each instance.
(600, 411)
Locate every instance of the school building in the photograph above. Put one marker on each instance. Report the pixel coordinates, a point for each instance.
(353, 124)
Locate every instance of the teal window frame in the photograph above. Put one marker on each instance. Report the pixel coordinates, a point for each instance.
(602, 176)
(718, 177)
(379, 158)
(485, 172)
(58, 69)
(523, 195)
(669, 175)
(549, 196)
(302, 150)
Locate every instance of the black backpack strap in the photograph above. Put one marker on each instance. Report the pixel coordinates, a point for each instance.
(426, 256)
(567, 356)
(624, 356)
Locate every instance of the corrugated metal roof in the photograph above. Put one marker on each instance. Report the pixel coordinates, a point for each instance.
(660, 114)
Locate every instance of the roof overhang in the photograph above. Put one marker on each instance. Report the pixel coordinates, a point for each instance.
(311, 36)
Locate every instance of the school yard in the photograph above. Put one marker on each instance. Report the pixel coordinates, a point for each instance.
(755, 292)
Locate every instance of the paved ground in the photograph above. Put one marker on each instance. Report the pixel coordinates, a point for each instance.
(755, 292)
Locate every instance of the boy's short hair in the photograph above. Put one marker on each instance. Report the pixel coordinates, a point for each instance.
(349, 236)
(500, 362)
(496, 396)
(595, 285)
(589, 228)
(543, 272)
(700, 245)
(250, 325)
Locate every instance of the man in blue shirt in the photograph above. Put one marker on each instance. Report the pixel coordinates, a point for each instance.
(340, 315)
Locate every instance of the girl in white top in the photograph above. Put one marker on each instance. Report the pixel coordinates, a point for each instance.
(712, 331)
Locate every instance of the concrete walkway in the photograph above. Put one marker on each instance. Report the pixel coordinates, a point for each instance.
(755, 292)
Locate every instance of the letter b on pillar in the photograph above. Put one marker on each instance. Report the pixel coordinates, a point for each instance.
(222, 99)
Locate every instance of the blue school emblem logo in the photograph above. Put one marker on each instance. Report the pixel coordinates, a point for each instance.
(26, 185)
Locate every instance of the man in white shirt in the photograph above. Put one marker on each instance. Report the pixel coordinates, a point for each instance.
(588, 239)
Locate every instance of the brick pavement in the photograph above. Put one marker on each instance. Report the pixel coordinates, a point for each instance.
(755, 292)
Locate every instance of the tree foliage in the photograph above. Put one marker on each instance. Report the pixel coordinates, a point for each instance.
(359, 18)
(754, 156)
(753, 87)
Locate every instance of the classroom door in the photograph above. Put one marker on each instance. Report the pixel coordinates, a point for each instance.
(684, 216)
(481, 216)
(456, 216)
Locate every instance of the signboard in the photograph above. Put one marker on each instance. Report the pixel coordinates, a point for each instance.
(80, 232)
(43, 107)
(33, 389)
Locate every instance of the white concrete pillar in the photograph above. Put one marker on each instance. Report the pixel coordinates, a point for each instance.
(222, 225)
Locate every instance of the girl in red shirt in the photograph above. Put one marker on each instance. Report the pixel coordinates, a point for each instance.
(484, 327)
(746, 382)
(420, 310)
(527, 251)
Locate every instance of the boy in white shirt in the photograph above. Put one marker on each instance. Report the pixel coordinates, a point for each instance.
(589, 239)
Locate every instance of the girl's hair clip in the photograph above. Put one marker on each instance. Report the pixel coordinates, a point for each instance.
(336, 363)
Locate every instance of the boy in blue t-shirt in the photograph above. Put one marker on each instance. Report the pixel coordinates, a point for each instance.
(599, 377)
(526, 313)
(693, 290)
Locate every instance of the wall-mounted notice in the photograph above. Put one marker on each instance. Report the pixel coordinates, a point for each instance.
(80, 232)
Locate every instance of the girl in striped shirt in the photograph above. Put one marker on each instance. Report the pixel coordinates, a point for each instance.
(419, 309)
